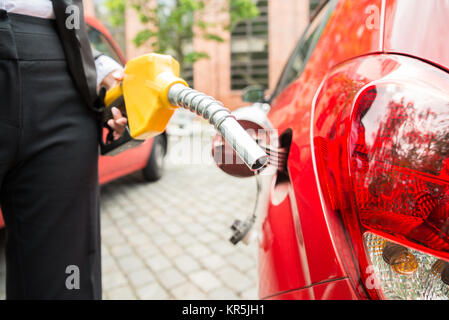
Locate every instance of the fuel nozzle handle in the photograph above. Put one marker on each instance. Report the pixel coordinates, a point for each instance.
(223, 121)
(151, 90)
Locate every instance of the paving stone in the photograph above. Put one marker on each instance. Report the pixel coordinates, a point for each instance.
(185, 239)
(170, 278)
(162, 219)
(109, 265)
(130, 230)
(146, 250)
(186, 264)
(205, 280)
(241, 261)
(207, 237)
(141, 277)
(138, 239)
(217, 227)
(223, 293)
(173, 229)
(121, 293)
(113, 280)
(143, 220)
(184, 219)
(195, 229)
(213, 261)
(158, 262)
(198, 250)
(152, 228)
(188, 291)
(130, 263)
(121, 250)
(152, 291)
(109, 231)
(253, 275)
(161, 239)
(117, 214)
(172, 249)
(124, 223)
(234, 279)
(113, 239)
(222, 247)
(250, 294)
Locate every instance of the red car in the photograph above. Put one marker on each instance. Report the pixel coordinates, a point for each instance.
(149, 156)
(358, 205)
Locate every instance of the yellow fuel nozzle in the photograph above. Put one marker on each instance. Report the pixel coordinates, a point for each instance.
(152, 90)
(144, 88)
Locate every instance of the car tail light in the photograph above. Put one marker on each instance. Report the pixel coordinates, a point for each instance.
(403, 273)
(399, 151)
(387, 174)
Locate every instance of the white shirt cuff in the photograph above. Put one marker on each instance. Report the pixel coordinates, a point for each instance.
(105, 65)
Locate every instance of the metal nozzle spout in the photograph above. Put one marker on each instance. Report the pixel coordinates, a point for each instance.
(224, 122)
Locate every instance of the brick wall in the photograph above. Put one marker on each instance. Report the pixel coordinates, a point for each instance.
(89, 7)
(133, 26)
(287, 21)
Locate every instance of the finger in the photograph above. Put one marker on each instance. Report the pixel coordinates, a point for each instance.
(116, 113)
(118, 75)
(112, 124)
(122, 122)
(119, 124)
(117, 130)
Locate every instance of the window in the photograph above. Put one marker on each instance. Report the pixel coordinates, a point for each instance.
(249, 51)
(99, 42)
(304, 49)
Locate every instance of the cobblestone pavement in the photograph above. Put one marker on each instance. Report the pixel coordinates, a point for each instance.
(169, 239)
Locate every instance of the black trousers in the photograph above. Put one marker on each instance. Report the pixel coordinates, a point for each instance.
(49, 191)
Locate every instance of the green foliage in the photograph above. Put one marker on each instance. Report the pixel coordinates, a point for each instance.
(116, 10)
(195, 56)
(241, 10)
(143, 36)
(213, 37)
(170, 24)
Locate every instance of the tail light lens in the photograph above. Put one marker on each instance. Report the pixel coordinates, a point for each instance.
(399, 151)
(387, 174)
(403, 273)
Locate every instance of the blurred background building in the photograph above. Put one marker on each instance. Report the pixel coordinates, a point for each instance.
(253, 53)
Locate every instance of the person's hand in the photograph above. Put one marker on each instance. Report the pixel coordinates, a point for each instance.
(118, 124)
(112, 79)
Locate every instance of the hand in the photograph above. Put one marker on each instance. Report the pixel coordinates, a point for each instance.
(112, 79)
(119, 123)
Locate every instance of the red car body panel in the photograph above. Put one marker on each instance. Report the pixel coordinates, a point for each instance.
(299, 255)
(111, 168)
(292, 109)
(332, 290)
(414, 27)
